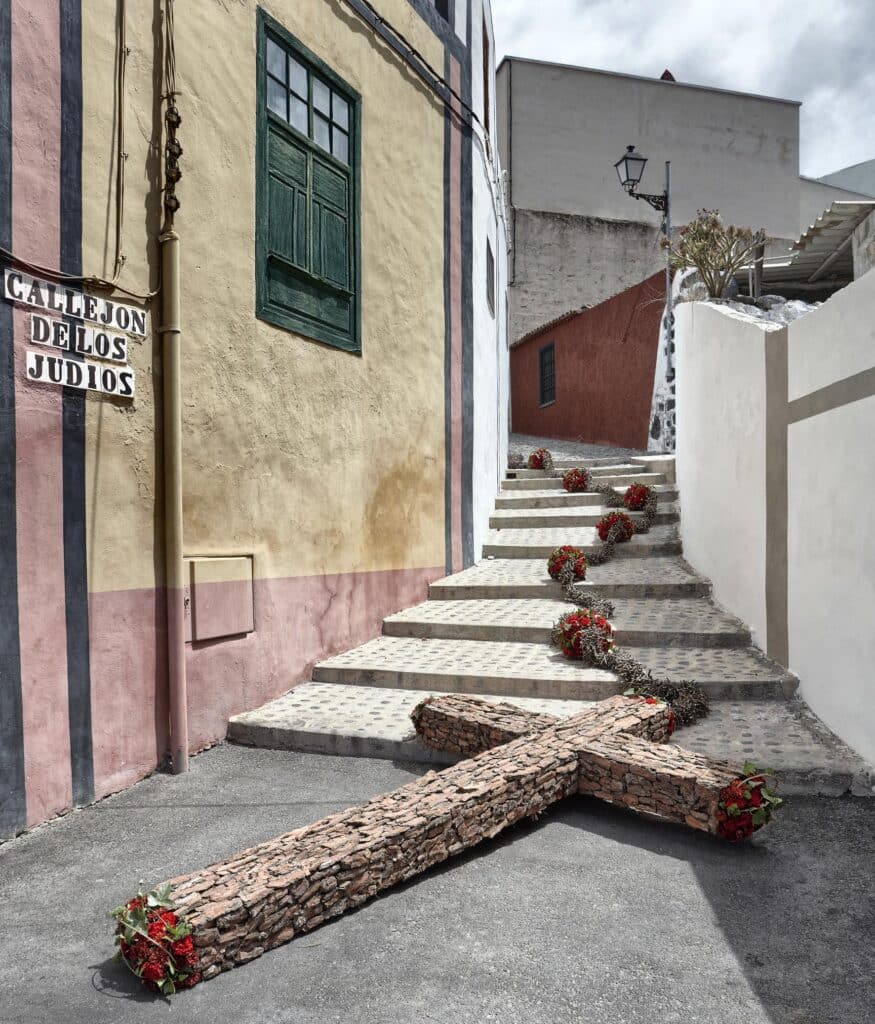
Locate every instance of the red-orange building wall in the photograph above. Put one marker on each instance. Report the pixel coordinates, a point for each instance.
(604, 362)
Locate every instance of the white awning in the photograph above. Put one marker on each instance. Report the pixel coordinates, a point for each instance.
(822, 255)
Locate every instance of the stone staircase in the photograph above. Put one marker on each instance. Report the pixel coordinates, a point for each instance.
(485, 631)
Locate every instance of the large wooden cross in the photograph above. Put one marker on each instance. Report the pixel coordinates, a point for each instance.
(516, 764)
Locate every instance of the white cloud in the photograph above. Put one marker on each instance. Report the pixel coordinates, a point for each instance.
(820, 53)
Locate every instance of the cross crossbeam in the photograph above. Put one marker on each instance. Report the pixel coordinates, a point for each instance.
(516, 765)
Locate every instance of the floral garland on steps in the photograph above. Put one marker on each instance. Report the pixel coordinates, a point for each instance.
(688, 701)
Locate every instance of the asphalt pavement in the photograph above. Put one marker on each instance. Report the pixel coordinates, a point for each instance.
(591, 915)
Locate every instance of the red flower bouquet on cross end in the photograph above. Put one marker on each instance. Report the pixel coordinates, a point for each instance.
(636, 497)
(155, 943)
(568, 633)
(627, 527)
(536, 459)
(576, 480)
(562, 557)
(745, 805)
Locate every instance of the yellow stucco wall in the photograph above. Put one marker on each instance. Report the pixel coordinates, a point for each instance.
(312, 459)
(122, 456)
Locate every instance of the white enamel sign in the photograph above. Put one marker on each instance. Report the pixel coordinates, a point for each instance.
(58, 298)
(44, 368)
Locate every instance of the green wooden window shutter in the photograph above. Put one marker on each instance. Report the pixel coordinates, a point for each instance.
(307, 194)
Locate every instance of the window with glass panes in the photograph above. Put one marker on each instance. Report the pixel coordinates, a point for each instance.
(307, 195)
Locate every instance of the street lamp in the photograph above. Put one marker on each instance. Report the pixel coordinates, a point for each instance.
(630, 170)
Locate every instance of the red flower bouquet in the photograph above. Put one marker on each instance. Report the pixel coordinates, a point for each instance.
(620, 519)
(563, 556)
(576, 480)
(568, 632)
(636, 496)
(536, 459)
(155, 943)
(745, 805)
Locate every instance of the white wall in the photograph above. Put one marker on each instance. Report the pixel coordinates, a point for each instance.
(720, 454)
(863, 246)
(491, 363)
(831, 540)
(732, 151)
(730, 467)
(858, 177)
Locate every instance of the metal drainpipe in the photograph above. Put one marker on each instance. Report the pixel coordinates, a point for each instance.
(171, 358)
(173, 552)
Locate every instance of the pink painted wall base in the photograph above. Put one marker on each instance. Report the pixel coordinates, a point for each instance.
(298, 621)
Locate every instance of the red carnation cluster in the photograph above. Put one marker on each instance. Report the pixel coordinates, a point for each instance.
(155, 944)
(568, 632)
(744, 806)
(636, 496)
(536, 459)
(562, 556)
(627, 527)
(576, 480)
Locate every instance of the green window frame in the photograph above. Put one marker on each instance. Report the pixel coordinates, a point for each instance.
(307, 231)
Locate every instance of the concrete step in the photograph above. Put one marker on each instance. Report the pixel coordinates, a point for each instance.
(554, 498)
(534, 518)
(357, 721)
(540, 543)
(683, 622)
(661, 576)
(651, 463)
(540, 482)
(568, 463)
(327, 718)
(612, 469)
(539, 670)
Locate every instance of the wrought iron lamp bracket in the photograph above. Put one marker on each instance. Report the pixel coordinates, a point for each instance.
(659, 202)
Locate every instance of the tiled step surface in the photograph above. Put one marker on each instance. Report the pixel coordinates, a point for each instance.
(564, 499)
(357, 721)
(524, 444)
(549, 518)
(691, 622)
(666, 576)
(538, 670)
(539, 482)
(611, 469)
(539, 543)
(373, 722)
(650, 463)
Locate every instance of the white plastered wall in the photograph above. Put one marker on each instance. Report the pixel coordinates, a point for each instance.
(721, 455)
(827, 417)
(491, 364)
(831, 541)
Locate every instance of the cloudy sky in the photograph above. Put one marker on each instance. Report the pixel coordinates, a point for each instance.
(821, 52)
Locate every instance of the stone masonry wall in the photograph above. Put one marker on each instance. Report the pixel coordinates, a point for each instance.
(467, 726)
(622, 744)
(267, 895)
(664, 780)
(615, 750)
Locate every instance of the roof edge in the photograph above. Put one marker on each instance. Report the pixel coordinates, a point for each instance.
(508, 58)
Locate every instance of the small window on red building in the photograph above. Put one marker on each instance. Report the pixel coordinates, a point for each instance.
(547, 368)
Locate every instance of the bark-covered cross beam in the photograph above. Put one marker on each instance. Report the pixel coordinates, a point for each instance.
(517, 764)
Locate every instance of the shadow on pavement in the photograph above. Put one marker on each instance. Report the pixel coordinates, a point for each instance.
(794, 903)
